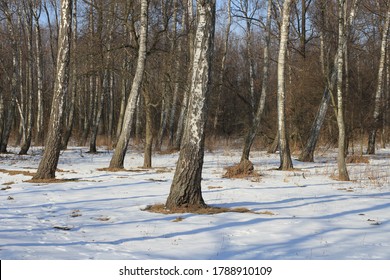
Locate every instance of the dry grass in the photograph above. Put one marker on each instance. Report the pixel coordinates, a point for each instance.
(178, 219)
(51, 181)
(357, 159)
(209, 210)
(243, 169)
(108, 169)
(214, 187)
(17, 172)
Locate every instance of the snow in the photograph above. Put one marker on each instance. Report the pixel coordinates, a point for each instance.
(98, 214)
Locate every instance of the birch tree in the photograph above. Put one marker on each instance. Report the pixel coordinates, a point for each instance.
(186, 190)
(284, 149)
(307, 153)
(48, 164)
(117, 160)
(378, 111)
(259, 112)
(342, 167)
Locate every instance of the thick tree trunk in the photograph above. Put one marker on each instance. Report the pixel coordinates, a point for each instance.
(186, 190)
(284, 149)
(378, 111)
(48, 164)
(117, 160)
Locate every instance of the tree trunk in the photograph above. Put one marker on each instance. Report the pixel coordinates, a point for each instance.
(342, 167)
(223, 66)
(184, 105)
(378, 111)
(117, 160)
(284, 149)
(148, 129)
(73, 86)
(49, 161)
(39, 136)
(28, 124)
(307, 154)
(186, 190)
(250, 137)
(9, 116)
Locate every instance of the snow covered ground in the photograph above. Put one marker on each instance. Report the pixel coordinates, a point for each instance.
(302, 214)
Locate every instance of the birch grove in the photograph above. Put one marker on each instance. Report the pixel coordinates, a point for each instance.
(276, 69)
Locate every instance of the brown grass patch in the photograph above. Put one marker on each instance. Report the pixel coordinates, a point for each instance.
(214, 187)
(178, 219)
(6, 188)
(17, 172)
(209, 210)
(269, 213)
(357, 159)
(52, 181)
(243, 169)
(111, 169)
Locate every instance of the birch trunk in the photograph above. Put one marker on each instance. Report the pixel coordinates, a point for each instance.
(379, 89)
(250, 137)
(117, 160)
(342, 167)
(125, 69)
(28, 118)
(48, 164)
(186, 190)
(73, 82)
(176, 48)
(307, 154)
(39, 68)
(184, 106)
(284, 149)
(148, 129)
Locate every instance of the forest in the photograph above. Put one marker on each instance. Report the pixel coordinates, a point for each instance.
(181, 74)
(194, 130)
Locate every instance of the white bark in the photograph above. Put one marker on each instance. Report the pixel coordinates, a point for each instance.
(342, 167)
(186, 186)
(285, 157)
(118, 157)
(48, 164)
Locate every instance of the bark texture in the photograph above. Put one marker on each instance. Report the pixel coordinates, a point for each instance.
(186, 190)
(117, 160)
(48, 164)
(284, 149)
